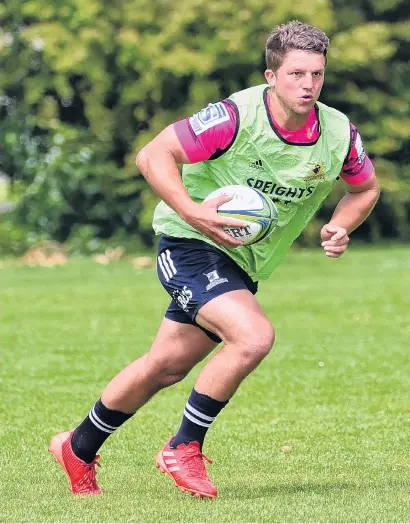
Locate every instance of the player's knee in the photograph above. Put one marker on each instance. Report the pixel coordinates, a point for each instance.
(257, 344)
(264, 342)
(170, 379)
(165, 374)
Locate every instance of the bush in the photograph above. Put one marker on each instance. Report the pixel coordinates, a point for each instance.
(14, 240)
(65, 190)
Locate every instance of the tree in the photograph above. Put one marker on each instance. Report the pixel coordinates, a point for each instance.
(108, 76)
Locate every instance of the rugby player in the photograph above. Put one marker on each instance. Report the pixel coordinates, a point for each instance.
(275, 137)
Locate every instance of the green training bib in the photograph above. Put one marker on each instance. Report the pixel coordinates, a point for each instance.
(297, 177)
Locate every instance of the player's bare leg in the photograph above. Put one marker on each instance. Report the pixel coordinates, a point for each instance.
(177, 348)
(237, 318)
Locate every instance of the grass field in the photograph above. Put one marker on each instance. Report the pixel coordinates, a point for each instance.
(334, 393)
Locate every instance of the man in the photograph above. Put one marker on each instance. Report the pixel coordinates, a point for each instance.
(279, 139)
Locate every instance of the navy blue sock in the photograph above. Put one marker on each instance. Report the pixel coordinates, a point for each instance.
(199, 413)
(90, 435)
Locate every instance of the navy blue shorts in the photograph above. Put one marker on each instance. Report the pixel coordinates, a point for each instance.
(193, 273)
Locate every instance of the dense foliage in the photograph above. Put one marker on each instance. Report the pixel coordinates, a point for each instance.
(83, 85)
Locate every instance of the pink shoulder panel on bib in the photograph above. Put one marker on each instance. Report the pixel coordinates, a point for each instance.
(207, 133)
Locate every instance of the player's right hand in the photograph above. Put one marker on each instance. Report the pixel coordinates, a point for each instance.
(205, 218)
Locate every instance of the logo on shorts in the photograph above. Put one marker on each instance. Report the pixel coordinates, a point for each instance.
(182, 297)
(214, 279)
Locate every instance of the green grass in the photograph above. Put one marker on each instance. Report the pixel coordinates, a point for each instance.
(335, 390)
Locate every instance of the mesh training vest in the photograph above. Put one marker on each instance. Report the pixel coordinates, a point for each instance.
(297, 177)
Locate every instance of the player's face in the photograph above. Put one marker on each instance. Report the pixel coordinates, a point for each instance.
(298, 81)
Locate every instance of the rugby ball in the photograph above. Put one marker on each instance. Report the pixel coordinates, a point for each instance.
(251, 206)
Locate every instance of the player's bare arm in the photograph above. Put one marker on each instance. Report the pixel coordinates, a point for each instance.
(351, 211)
(157, 162)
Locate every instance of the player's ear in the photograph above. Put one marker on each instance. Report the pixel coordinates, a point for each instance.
(270, 77)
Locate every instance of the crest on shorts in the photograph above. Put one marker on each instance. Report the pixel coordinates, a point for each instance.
(214, 279)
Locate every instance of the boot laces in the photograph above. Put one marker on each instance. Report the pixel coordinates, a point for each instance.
(193, 460)
(88, 481)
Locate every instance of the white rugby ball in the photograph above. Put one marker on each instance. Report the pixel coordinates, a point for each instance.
(251, 206)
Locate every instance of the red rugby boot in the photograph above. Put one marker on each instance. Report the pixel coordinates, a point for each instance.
(185, 465)
(80, 474)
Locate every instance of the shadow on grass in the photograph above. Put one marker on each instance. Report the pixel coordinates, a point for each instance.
(319, 488)
(252, 492)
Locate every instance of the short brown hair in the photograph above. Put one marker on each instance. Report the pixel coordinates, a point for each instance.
(293, 35)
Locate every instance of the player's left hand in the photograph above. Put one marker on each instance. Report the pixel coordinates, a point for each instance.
(334, 240)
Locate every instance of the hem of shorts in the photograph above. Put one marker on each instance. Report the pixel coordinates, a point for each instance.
(203, 304)
(178, 321)
(195, 324)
